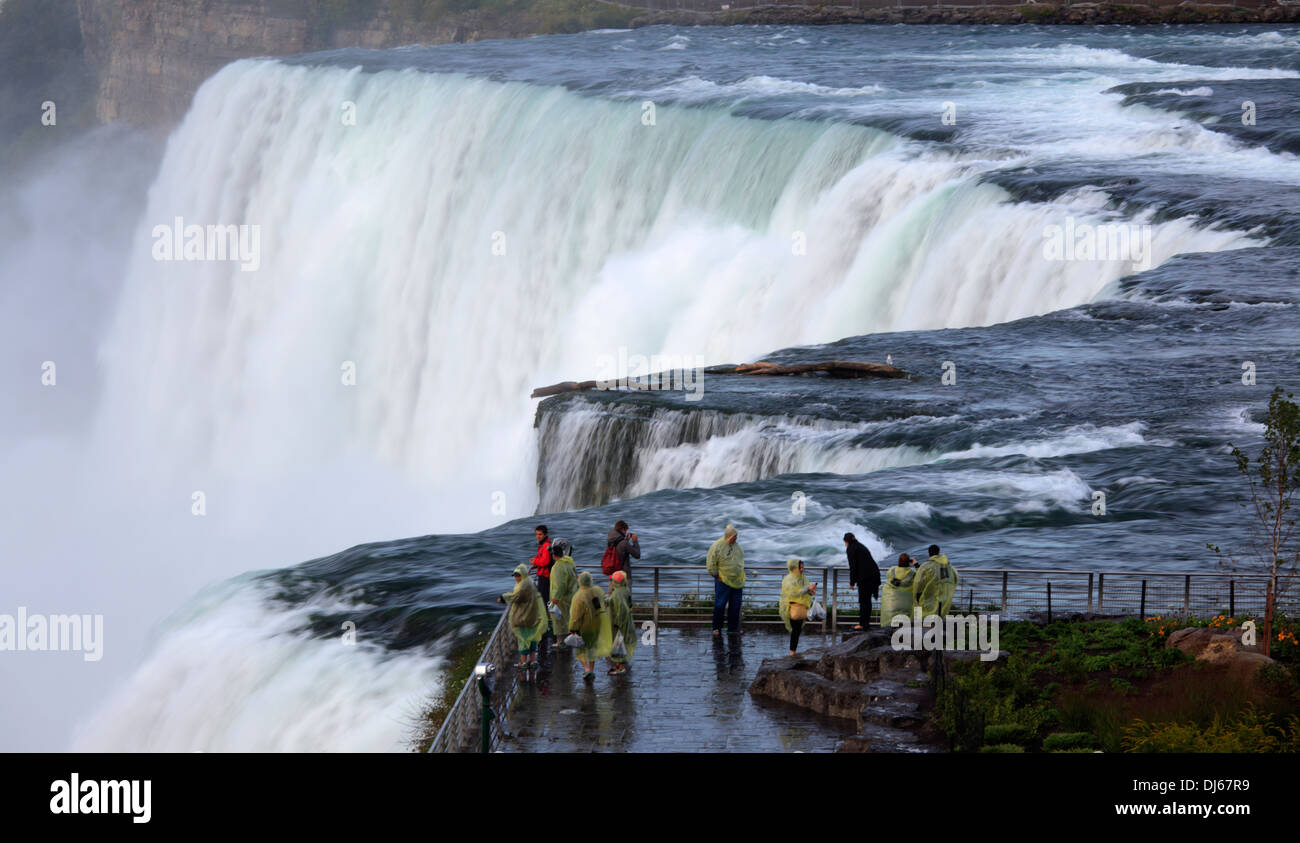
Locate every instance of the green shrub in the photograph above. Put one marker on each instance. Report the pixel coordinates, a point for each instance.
(1016, 733)
(1058, 741)
(1251, 732)
(1003, 747)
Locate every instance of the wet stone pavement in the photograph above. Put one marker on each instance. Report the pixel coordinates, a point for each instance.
(687, 693)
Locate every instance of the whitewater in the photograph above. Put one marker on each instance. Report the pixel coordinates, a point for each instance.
(503, 216)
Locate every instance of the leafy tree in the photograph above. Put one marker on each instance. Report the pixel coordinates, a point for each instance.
(1273, 477)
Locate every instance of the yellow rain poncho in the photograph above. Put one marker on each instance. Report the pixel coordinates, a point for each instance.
(620, 618)
(564, 584)
(727, 561)
(896, 594)
(527, 611)
(589, 617)
(794, 589)
(935, 586)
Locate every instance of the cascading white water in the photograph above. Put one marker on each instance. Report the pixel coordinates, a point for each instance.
(591, 453)
(464, 241)
(472, 238)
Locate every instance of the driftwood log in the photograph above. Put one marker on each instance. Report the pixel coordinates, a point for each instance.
(833, 368)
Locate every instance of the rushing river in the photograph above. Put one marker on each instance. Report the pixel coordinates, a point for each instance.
(460, 224)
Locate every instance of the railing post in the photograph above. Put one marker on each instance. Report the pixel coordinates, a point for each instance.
(1049, 601)
(1090, 592)
(825, 579)
(1101, 588)
(1232, 598)
(1187, 597)
(1142, 608)
(1004, 592)
(835, 587)
(655, 609)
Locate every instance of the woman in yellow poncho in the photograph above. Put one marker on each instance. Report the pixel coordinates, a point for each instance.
(796, 600)
(589, 619)
(896, 591)
(564, 584)
(620, 619)
(527, 617)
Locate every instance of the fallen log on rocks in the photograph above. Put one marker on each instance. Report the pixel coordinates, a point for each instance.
(567, 386)
(834, 368)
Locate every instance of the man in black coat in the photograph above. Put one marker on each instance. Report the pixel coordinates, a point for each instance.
(863, 575)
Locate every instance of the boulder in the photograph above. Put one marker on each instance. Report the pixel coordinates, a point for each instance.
(1220, 647)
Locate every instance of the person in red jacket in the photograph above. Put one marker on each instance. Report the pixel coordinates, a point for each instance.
(541, 564)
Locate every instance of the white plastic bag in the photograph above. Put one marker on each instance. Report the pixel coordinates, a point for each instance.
(620, 649)
(817, 612)
(574, 640)
(555, 611)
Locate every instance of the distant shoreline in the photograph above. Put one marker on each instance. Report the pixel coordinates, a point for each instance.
(1084, 14)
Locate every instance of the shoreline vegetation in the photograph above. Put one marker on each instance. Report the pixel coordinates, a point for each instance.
(1155, 684)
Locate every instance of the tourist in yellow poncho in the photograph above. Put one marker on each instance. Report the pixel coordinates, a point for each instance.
(621, 623)
(564, 584)
(589, 618)
(935, 584)
(726, 564)
(528, 617)
(896, 592)
(796, 599)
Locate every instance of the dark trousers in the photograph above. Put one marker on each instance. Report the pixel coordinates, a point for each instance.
(544, 586)
(726, 596)
(796, 627)
(864, 606)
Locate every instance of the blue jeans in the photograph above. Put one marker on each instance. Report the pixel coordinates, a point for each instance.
(725, 595)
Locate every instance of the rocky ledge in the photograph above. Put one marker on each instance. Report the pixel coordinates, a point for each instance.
(887, 692)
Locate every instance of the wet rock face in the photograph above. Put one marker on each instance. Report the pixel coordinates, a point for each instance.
(150, 56)
(863, 678)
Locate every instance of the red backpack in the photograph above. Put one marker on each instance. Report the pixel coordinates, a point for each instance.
(609, 563)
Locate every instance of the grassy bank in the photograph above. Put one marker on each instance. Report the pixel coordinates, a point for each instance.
(459, 669)
(1115, 686)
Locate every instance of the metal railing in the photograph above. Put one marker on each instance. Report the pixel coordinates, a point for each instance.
(460, 731)
(683, 595)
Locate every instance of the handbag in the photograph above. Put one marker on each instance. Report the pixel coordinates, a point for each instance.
(798, 612)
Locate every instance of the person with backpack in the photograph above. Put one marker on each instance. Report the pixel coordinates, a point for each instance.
(863, 576)
(620, 548)
(935, 584)
(541, 566)
(590, 622)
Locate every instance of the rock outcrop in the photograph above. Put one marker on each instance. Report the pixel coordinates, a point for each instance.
(1220, 647)
(863, 678)
(150, 56)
